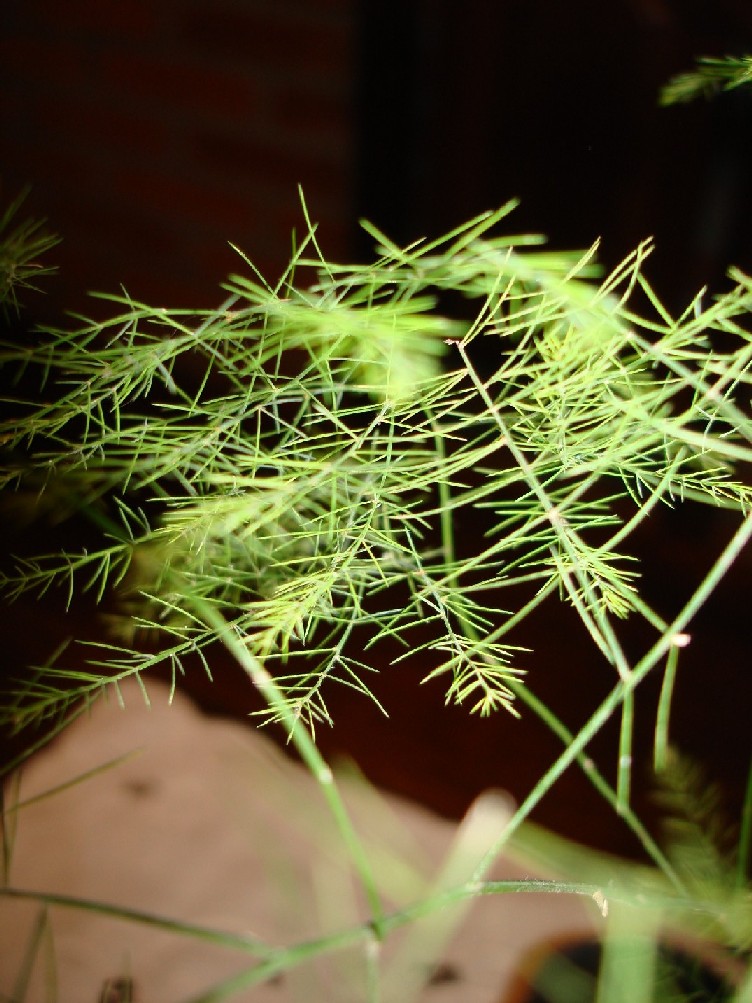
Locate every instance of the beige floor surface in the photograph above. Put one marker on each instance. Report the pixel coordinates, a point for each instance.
(208, 823)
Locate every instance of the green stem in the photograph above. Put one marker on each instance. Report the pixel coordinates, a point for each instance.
(305, 745)
(624, 769)
(625, 685)
(274, 960)
(234, 941)
(297, 954)
(285, 958)
(619, 800)
(660, 741)
(593, 616)
(600, 783)
(445, 512)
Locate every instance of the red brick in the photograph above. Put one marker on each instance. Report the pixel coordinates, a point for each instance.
(101, 130)
(322, 166)
(344, 8)
(154, 132)
(310, 115)
(133, 19)
(179, 83)
(269, 38)
(56, 169)
(29, 61)
(173, 196)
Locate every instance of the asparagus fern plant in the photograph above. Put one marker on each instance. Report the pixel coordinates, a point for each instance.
(286, 462)
(295, 475)
(22, 245)
(711, 74)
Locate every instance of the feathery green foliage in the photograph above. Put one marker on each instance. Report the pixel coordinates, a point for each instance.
(337, 464)
(306, 459)
(710, 76)
(22, 244)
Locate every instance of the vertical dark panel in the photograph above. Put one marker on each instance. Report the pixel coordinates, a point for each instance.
(388, 118)
(466, 105)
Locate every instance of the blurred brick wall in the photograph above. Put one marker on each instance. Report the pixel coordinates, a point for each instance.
(152, 133)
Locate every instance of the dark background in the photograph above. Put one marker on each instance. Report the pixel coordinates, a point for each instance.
(154, 133)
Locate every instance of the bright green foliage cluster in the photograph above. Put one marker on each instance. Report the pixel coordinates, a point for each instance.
(310, 459)
(710, 76)
(415, 453)
(21, 246)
